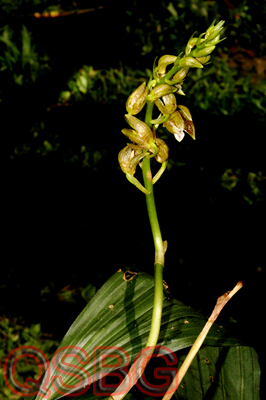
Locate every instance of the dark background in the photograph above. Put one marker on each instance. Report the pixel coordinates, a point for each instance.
(69, 221)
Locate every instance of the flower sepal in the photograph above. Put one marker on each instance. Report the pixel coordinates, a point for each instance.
(136, 100)
(160, 91)
(128, 159)
(190, 62)
(140, 134)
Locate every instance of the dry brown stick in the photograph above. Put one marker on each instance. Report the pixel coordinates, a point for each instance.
(221, 302)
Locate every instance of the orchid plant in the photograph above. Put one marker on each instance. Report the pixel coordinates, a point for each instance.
(131, 310)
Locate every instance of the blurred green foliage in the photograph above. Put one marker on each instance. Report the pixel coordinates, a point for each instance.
(254, 184)
(20, 63)
(13, 335)
(102, 86)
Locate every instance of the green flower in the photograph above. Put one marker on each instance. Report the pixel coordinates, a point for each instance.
(140, 134)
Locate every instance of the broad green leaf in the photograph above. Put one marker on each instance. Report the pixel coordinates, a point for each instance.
(216, 373)
(221, 373)
(119, 315)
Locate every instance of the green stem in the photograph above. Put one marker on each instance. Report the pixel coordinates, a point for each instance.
(158, 268)
(159, 256)
(155, 228)
(157, 306)
(158, 244)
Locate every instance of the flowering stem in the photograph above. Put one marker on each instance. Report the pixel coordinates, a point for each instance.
(158, 244)
(158, 268)
(145, 140)
(159, 256)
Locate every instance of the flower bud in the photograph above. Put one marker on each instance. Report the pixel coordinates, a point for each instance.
(163, 62)
(175, 125)
(185, 112)
(214, 41)
(129, 159)
(203, 52)
(188, 123)
(160, 91)
(136, 100)
(163, 150)
(167, 105)
(190, 44)
(190, 62)
(214, 30)
(141, 133)
(181, 74)
(180, 91)
(194, 41)
(204, 60)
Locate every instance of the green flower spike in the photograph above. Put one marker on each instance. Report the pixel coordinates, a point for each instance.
(214, 30)
(160, 91)
(128, 159)
(136, 100)
(141, 133)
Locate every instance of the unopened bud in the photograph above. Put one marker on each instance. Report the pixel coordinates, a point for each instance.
(181, 74)
(185, 112)
(203, 52)
(214, 41)
(190, 62)
(136, 100)
(129, 159)
(190, 44)
(163, 150)
(194, 41)
(180, 91)
(164, 61)
(203, 60)
(167, 104)
(214, 30)
(141, 133)
(160, 91)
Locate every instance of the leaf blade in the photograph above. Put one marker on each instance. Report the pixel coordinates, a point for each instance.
(119, 316)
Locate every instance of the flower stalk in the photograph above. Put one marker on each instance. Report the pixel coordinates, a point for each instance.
(161, 90)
